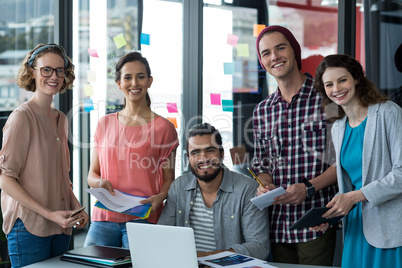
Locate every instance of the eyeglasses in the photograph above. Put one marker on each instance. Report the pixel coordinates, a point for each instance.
(48, 72)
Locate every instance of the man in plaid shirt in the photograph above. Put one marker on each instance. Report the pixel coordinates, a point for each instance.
(290, 139)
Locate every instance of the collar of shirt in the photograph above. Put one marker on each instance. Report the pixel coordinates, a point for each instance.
(304, 92)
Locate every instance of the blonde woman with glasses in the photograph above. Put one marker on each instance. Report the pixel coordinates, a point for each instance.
(37, 199)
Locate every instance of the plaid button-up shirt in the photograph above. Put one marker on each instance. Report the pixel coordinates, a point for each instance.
(290, 141)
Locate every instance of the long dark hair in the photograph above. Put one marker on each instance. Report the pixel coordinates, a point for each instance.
(130, 57)
(366, 91)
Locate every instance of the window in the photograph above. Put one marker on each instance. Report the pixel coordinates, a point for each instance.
(231, 73)
(383, 63)
(230, 78)
(24, 24)
(153, 28)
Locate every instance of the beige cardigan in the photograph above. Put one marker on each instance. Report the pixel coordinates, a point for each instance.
(38, 158)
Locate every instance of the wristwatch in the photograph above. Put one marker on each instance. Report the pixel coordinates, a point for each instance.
(310, 190)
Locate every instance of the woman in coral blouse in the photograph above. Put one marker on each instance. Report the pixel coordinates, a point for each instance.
(135, 154)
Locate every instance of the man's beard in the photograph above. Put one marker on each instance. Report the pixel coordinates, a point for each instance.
(206, 177)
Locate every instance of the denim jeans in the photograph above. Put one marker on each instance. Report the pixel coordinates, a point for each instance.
(25, 248)
(106, 233)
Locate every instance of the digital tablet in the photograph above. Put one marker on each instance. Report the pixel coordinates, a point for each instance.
(313, 217)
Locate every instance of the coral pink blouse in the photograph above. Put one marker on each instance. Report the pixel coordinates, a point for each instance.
(131, 158)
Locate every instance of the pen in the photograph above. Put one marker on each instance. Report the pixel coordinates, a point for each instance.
(256, 178)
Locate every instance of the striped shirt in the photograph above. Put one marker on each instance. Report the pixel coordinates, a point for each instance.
(290, 143)
(201, 220)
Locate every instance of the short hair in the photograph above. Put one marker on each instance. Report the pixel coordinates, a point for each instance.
(288, 35)
(205, 129)
(366, 91)
(130, 57)
(25, 79)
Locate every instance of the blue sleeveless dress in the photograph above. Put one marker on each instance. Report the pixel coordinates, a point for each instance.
(357, 252)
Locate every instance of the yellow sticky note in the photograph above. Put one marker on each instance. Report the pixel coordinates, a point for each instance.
(257, 29)
(91, 76)
(242, 50)
(119, 40)
(88, 90)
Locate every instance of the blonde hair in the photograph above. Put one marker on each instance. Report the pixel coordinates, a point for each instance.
(25, 79)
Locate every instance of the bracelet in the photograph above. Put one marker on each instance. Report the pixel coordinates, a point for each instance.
(100, 182)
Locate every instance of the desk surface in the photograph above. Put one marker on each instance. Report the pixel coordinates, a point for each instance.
(56, 262)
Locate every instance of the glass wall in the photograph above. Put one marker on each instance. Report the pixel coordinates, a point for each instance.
(314, 25)
(231, 73)
(23, 25)
(151, 27)
(384, 46)
(360, 44)
(230, 76)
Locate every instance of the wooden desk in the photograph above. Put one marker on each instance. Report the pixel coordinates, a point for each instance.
(56, 262)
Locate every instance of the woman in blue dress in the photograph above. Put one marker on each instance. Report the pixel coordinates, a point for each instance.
(367, 136)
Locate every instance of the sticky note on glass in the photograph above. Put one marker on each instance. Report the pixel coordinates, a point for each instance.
(119, 40)
(242, 50)
(232, 40)
(145, 39)
(93, 53)
(227, 105)
(172, 107)
(91, 76)
(228, 68)
(88, 90)
(88, 105)
(173, 120)
(215, 99)
(257, 29)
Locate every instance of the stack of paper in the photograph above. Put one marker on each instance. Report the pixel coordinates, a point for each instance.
(266, 199)
(121, 202)
(99, 256)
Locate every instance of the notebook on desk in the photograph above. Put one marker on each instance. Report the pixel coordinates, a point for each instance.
(156, 246)
(99, 256)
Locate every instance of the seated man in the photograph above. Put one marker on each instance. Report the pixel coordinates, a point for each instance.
(215, 201)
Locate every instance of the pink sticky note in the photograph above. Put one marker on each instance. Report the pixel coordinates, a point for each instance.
(93, 53)
(215, 99)
(232, 40)
(172, 107)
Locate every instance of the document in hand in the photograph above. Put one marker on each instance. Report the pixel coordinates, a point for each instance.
(99, 256)
(121, 202)
(142, 211)
(232, 260)
(266, 199)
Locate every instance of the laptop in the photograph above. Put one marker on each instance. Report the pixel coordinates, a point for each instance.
(156, 246)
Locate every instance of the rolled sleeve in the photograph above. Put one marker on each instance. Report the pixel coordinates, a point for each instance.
(255, 231)
(15, 144)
